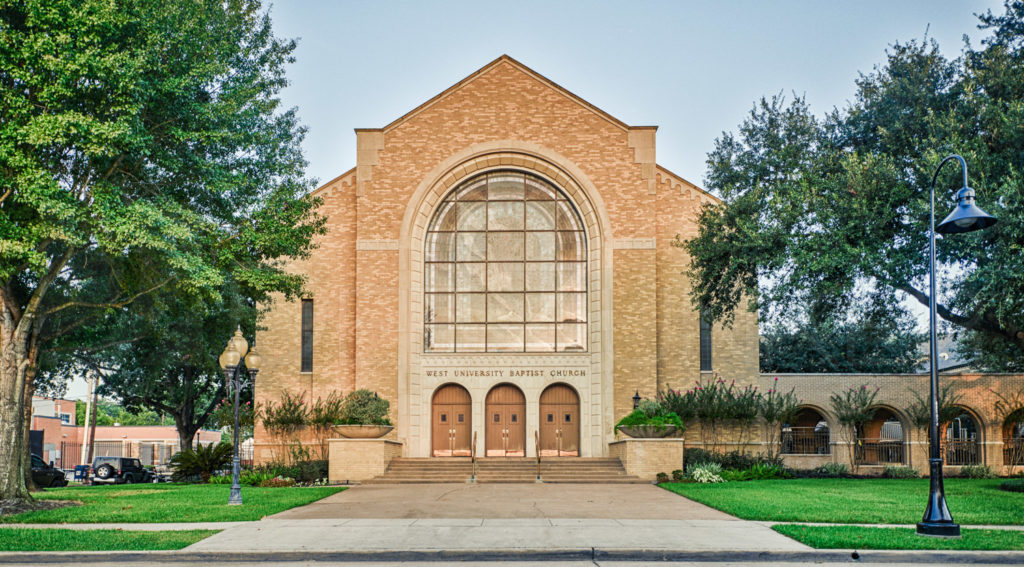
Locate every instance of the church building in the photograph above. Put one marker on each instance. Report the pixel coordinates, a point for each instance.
(499, 265)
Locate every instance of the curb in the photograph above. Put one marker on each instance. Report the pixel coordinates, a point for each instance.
(592, 554)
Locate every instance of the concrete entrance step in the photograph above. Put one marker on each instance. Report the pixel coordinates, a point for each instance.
(576, 470)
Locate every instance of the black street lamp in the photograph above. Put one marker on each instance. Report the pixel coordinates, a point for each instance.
(636, 399)
(229, 361)
(966, 217)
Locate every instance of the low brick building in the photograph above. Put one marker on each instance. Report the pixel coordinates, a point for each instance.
(499, 265)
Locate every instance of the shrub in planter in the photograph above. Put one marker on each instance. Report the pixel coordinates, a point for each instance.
(199, 464)
(899, 471)
(707, 473)
(659, 421)
(661, 477)
(977, 471)
(363, 407)
(677, 475)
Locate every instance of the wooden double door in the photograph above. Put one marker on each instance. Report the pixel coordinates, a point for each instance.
(452, 422)
(505, 430)
(559, 422)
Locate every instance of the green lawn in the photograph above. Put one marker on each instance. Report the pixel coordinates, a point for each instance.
(857, 501)
(859, 537)
(56, 539)
(161, 503)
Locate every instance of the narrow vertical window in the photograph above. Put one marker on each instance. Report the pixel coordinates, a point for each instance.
(307, 335)
(705, 344)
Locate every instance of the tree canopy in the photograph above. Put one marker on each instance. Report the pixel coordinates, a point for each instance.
(143, 151)
(828, 214)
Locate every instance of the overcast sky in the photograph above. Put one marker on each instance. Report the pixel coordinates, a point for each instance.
(692, 68)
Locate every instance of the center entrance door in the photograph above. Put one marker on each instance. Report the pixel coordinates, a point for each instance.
(506, 422)
(559, 422)
(452, 428)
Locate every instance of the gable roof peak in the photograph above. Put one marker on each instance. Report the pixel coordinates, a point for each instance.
(504, 58)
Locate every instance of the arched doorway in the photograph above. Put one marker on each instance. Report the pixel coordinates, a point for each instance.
(881, 440)
(1013, 439)
(452, 421)
(505, 415)
(806, 434)
(961, 441)
(559, 422)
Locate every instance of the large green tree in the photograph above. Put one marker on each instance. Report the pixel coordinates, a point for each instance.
(828, 214)
(142, 150)
(868, 341)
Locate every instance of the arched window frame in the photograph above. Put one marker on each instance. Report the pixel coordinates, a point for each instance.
(474, 298)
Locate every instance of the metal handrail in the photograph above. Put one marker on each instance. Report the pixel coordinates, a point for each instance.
(536, 440)
(472, 458)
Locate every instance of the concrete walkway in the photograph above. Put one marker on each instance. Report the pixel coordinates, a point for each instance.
(498, 518)
(590, 501)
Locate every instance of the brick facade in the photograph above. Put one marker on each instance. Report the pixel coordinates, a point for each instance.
(367, 280)
(366, 277)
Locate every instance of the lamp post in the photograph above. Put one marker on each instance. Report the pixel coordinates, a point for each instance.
(636, 399)
(966, 217)
(237, 348)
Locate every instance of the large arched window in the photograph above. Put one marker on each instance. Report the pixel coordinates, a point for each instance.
(505, 267)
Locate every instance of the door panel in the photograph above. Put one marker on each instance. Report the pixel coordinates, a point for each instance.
(559, 422)
(505, 432)
(451, 422)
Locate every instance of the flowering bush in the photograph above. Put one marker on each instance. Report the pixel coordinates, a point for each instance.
(277, 482)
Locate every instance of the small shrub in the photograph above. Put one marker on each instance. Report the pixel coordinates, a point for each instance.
(977, 471)
(707, 473)
(767, 471)
(899, 471)
(1012, 485)
(199, 464)
(832, 470)
(650, 408)
(254, 478)
(363, 407)
(661, 477)
(277, 482)
(731, 475)
(734, 460)
(661, 421)
(677, 475)
(220, 479)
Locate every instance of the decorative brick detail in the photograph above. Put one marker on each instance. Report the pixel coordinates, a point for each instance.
(376, 245)
(635, 243)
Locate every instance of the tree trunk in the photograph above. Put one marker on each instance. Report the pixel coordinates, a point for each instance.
(13, 366)
(26, 454)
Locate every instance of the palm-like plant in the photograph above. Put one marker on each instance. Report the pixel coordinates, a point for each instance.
(201, 462)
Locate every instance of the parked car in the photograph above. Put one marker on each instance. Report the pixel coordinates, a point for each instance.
(45, 475)
(118, 470)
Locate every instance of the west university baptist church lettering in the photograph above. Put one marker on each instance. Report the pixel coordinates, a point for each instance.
(505, 373)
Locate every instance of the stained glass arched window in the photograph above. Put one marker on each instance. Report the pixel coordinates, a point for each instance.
(505, 266)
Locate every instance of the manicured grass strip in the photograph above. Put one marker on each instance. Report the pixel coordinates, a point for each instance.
(859, 537)
(161, 503)
(57, 539)
(856, 501)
